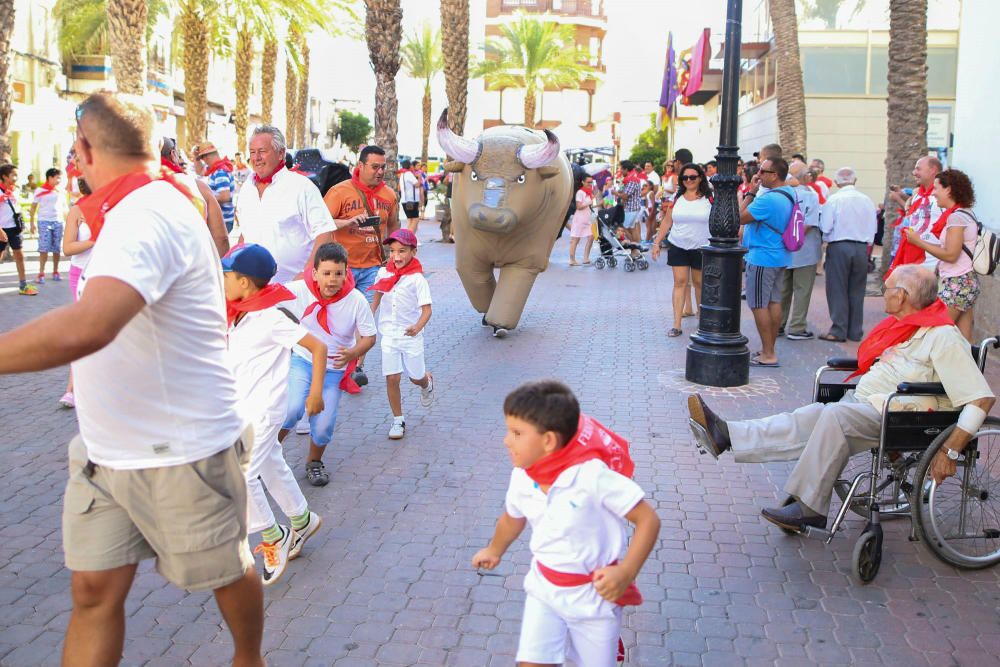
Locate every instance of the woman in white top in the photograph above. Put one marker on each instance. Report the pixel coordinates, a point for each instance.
(686, 222)
(76, 245)
(580, 223)
(668, 183)
(957, 232)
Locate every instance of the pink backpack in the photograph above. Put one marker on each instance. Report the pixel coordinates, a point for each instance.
(794, 234)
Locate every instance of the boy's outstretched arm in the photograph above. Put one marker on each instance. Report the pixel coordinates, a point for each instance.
(425, 316)
(314, 401)
(508, 529)
(612, 581)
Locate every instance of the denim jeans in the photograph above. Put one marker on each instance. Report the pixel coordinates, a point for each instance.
(299, 379)
(365, 278)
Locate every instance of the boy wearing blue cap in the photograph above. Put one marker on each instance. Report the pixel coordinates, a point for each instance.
(261, 338)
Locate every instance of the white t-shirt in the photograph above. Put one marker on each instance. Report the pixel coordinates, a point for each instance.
(400, 307)
(350, 315)
(410, 187)
(7, 213)
(287, 220)
(81, 259)
(653, 178)
(260, 347)
(161, 393)
(51, 204)
(577, 527)
(690, 222)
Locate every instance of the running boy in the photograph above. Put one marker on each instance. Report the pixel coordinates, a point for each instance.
(49, 205)
(329, 307)
(571, 483)
(260, 341)
(403, 302)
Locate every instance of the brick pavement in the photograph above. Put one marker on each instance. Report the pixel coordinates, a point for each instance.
(387, 580)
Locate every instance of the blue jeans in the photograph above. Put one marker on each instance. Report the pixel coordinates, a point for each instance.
(299, 379)
(365, 278)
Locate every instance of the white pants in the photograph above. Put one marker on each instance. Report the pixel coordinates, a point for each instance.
(267, 465)
(820, 436)
(592, 642)
(403, 354)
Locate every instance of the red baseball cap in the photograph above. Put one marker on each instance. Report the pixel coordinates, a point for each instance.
(404, 236)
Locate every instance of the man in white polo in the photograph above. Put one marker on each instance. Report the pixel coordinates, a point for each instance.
(279, 209)
(156, 471)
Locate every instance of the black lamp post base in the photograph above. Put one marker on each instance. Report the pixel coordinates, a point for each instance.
(718, 366)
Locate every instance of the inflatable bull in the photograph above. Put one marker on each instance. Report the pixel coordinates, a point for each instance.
(512, 187)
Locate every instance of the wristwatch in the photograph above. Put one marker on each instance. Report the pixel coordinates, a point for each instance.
(951, 453)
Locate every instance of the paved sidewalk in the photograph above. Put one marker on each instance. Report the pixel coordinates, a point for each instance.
(387, 581)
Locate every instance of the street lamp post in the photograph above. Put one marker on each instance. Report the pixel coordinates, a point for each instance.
(717, 355)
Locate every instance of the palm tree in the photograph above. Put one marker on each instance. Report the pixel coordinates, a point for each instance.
(6, 98)
(827, 10)
(291, 101)
(907, 93)
(268, 70)
(127, 23)
(455, 41)
(790, 90)
(302, 111)
(383, 32)
(84, 29)
(533, 54)
(422, 59)
(203, 32)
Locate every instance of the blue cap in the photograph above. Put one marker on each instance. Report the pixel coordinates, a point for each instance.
(251, 260)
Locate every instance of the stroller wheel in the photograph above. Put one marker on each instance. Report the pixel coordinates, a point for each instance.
(599, 263)
(642, 264)
(612, 262)
(628, 265)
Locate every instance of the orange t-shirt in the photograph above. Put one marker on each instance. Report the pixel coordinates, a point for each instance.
(363, 244)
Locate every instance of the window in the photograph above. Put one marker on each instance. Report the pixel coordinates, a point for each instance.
(942, 68)
(829, 70)
(595, 51)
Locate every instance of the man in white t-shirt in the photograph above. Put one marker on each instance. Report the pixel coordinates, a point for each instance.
(279, 209)
(156, 471)
(652, 176)
(409, 195)
(48, 207)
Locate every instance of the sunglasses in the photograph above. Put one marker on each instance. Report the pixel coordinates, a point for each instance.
(690, 177)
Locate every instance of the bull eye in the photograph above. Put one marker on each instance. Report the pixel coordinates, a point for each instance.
(474, 176)
(521, 178)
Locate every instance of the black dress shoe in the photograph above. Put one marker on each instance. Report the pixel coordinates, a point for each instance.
(710, 432)
(791, 517)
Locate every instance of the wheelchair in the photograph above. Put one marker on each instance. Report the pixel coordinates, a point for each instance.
(959, 520)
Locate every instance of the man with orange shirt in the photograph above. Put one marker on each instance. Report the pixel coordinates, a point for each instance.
(351, 203)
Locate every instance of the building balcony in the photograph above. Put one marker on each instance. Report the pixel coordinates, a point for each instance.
(591, 9)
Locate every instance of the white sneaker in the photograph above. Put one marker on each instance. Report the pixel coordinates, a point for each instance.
(397, 430)
(302, 428)
(299, 537)
(427, 393)
(275, 556)
(68, 400)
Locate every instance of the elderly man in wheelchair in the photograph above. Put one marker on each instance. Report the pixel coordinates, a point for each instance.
(916, 345)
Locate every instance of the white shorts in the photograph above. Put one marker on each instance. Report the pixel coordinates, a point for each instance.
(407, 355)
(592, 642)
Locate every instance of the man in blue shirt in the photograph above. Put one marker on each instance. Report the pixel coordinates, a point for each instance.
(219, 175)
(765, 212)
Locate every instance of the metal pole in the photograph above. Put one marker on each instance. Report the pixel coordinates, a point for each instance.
(718, 355)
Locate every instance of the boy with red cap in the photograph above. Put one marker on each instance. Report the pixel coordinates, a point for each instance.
(261, 338)
(403, 303)
(571, 482)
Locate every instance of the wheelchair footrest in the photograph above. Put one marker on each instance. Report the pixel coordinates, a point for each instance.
(817, 533)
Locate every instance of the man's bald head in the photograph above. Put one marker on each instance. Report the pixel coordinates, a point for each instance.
(798, 170)
(118, 125)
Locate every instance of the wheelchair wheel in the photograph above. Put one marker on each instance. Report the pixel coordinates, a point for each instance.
(867, 557)
(892, 491)
(628, 265)
(599, 263)
(959, 519)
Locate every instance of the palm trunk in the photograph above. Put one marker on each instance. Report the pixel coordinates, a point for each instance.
(7, 9)
(291, 105)
(790, 90)
(127, 34)
(384, 32)
(305, 139)
(427, 122)
(455, 48)
(244, 70)
(530, 100)
(195, 72)
(907, 102)
(268, 72)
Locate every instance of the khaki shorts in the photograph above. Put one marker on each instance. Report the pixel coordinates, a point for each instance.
(192, 518)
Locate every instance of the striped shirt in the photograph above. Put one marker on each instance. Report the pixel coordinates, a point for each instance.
(221, 180)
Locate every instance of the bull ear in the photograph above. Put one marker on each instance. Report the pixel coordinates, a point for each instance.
(454, 166)
(548, 171)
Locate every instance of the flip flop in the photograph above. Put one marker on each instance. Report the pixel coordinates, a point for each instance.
(574, 263)
(830, 338)
(757, 362)
(689, 315)
(674, 333)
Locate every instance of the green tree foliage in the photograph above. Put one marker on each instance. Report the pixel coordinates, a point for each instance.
(827, 10)
(355, 128)
(653, 145)
(83, 25)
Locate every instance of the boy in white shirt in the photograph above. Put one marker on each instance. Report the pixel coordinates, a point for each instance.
(403, 302)
(571, 483)
(49, 205)
(261, 338)
(329, 307)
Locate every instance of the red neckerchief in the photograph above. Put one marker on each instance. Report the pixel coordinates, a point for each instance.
(921, 198)
(819, 192)
(907, 253)
(395, 275)
(371, 194)
(588, 191)
(633, 177)
(97, 204)
(6, 194)
(346, 382)
(224, 164)
(592, 441)
(271, 295)
(171, 165)
(266, 180)
(824, 180)
(892, 331)
(44, 189)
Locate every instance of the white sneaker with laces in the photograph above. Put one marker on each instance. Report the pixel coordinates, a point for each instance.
(299, 537)
(427, 393)
(397, 430)
(275, 557)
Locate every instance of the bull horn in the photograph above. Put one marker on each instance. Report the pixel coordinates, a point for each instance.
(532, 156)
(455, 145)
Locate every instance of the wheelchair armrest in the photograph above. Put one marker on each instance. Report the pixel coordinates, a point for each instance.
(929, 388)
(842, 363)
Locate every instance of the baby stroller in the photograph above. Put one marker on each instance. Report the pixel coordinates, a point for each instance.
(609, 225)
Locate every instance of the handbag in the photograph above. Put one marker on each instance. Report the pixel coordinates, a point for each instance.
(18, 217)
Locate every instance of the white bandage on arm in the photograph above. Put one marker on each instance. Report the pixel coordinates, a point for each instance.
(971, 418)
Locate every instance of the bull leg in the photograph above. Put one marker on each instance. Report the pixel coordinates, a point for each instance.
(511, 294)
(478, 281)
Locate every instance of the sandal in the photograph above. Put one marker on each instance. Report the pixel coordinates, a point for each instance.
(674, 333)
(830, 338)
(766, 364)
